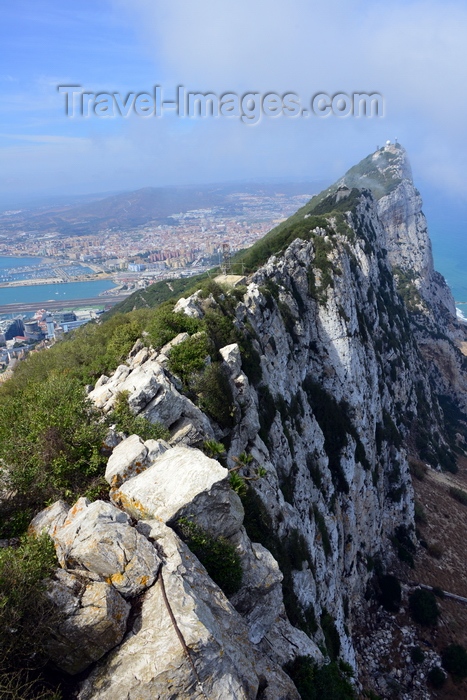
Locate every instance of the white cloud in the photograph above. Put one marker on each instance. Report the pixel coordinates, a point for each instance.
(414, 53)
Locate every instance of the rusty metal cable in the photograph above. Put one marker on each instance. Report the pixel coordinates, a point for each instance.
(180, 636)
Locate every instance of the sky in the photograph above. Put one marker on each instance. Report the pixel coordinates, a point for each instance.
(413, 53)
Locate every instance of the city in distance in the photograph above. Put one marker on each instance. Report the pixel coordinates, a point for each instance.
(135, 238)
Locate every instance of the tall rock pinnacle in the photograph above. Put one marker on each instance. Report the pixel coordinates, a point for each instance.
(387, 173)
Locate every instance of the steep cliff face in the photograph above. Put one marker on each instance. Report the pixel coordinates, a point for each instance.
(429, 300)
(328, 389)
(388, 174)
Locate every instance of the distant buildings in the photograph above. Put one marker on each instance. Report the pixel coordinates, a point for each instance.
(11, 328)
(19, 336)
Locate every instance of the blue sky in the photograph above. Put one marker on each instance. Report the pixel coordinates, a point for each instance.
(414, 53)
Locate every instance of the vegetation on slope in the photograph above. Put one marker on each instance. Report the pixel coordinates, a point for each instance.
(157, 293)
(374, 173)
(50, 434)
(26, 617)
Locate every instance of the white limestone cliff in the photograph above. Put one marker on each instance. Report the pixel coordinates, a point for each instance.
(342, 384)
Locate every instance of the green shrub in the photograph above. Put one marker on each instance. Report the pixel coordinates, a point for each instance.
(319, 683)
(238, 484)
(50, 444)
(417, 655)
(120, 343)
(423, 607)
(390, 593)
(213, 449)
(27, 617)
(189, 356)
(459, 495)
(454, 659)
(165, 324)
(214, 394)
(219, 557)
(331, 636)
(436, 677)
(219, 328)
(126, 422)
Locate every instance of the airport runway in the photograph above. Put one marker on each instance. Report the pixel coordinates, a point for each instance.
(60, 305)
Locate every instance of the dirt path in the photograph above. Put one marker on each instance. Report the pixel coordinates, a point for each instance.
(446, 479)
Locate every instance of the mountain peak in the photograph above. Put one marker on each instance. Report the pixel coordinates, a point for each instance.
(381, 171)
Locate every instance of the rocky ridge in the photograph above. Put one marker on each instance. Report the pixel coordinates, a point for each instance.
(342, 388)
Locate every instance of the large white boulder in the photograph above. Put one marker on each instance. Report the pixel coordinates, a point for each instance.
(98, 537)
(126, 460)
(183, 482)
(92, 619)
(49, 520)
(232, 357)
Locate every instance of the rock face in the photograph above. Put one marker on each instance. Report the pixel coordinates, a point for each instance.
(151, 662)
(98, 537)
(183, 482)
(94, 618)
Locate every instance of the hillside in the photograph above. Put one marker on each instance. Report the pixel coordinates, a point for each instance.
(136, 208)
(252, 488)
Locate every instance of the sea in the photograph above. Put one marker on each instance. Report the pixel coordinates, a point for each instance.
(447, 227)
(48, 292)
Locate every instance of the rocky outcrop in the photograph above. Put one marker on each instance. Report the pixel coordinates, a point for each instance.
(131, 457)
(190, 307)
(407, 240)
(152, 662)
(153, 395)
(99, 538)
(92, 619)
(183, 482)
